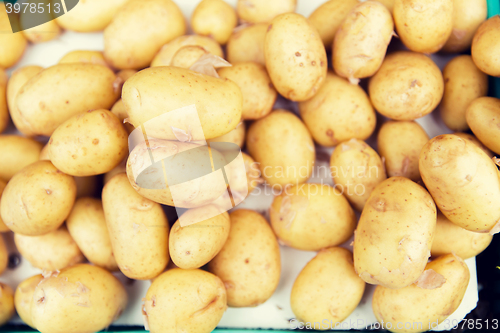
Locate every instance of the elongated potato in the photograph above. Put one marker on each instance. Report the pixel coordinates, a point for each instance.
(4, 255)
(13, 160)
(483, 117)
(236, 136)
(23, 297)
(7, 309)
(393, 239)
(83, 56)
(257, 11)
(247, 44)
(13, 44)
(295, 57)
(485, 48)
(472, 139)
(3, 227)
(214, 18)
(4, 110)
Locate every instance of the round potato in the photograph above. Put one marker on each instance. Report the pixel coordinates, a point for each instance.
(483, 118)
(214, 18)
(392, 242)
(86, 57)
(23, 297)
(472, 139)
(236, 136)
(13, 44)
(4, 110)
(7, 309)
(258, 11)
(13, 160)
(3, 227)
(188, 55)
(4, 255)
(485, 48)
(408, 86)
(247, 44)
(249, 263)
(295, 57)
(43, 32)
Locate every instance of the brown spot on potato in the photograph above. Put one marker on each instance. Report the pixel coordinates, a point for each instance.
(297, 54)
(95, 141)
(269, 27)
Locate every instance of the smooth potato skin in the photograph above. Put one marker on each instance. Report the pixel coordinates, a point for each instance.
(41, 33)
(472, 139)
(236, 136)
(214, 18)
(84, 56)
(483, 117)
(13, 44)
(4, 110)
(13, 161)
(247, 44)
(187, 56)
(485, 48)
(3, 227)
(258, 11)
(7, 309)
(23, 296)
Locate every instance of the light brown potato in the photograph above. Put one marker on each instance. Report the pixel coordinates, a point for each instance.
(13, 160)
(214, 18)
(424, 25)
(340, 111)
(356, 170)
(120, 111)
(249, 263)
(4, 255)
(429, 304)
(327, 288)
(407, 86)
(188, 55)
(472, 139)
(399, 144)
(483, 118)
(312, 217)
(4, 110)
(258, 11)
(3, 227)
(83, 56)
(295, 57)
(247, 44)
(13, 44)
(7, 309)
(87, 225)
(43, 32)
(236, 136)
(485, 48)
(23, 297)
(126, 74)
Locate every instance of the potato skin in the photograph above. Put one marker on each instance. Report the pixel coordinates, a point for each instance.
(295, 57)
(4, 255)
(7, 309)
(236, 136)
(472, 139)
(249, 263)
(187, 56)
(214, 18)
(258, 11)
(41, 33)
(463, 181)
(120, 111)
(327, 287)
(13, 161)
(84, 56)
(4, 110)
(393, 239)
(24, 295)
(485, 48)
(3, 227)
(483, 118)
(13, 44)
(247, 44)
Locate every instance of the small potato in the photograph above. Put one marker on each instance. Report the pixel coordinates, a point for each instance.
(340, 111)
(236, 136)
(188, 55)
(87, 226)
(485, 46)
(4, 110)
(7, 309)
(256, 87)
(430, 302)
(327, 288)
(85, 138)
(43, 32)
(138, 229)
(283, 147)
(138, 31)
(463, 181)
(4, 255)
(214, 18)
(120, 111)
(392, 242)
(407, 86)
(247, 44)
(312, 217)
(13, 160)
(249, 263)
(356, 170)
(400, 143)
(13, 44)
(258, 11)
(463, 83)
(467, 17)
(184, 301)
(361, 41)
(51, 252)
(126, 74)
(80, 299)
(424, 25)
(23, 297)
(3, 227)
(483, 118)
(37, 199)
(472, 139)
(85, 57)
(295, 57)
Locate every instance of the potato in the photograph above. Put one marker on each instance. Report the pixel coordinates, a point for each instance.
(149, 94)
(4, 255)
(24, 295)
(138, 31)
(295, 57)
(485, 48)
(408, 86)
(44, 32)
(283, 147)
(138, 229)
(13, 44)
(472, 139)
(236, 136)
(249, 263)
(256, 87)
(184, 301)
(339, 112)
(188, 55)
(252, 171)
(327, 288)
(247, 44)
(399, 144)
(388, 3)
(7, 309)
(65, 302)
(361, 41)
(3, 227)
(51, 252)
(429, 304)
(258, 11)
(120, 111)
(467, 17)
(87, 225)
(463, 181)
(4, 110)
(120, 168)
(312, 217)
(126, 74)
(165, 55)
(392, 242)
(424, 25)
(483, 117)
(356, 170)
(13, 160)
(86, 57)
(214, 18)
(62, 91)
(37, 199)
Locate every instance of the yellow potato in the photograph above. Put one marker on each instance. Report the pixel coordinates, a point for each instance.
(86, 57)
(430, 305)
(327, 288)
(467, 17)
(356, 170)
(138, 229)
(249, 263)
(184, 301)
(295, 57)
(87, 226)
(464, 182)
(247, 44)
(24, 295)
(312, 217)
(13, 44)
(256, 87)
(120, 168)
(388, 3)
(408, 86)
(4, 255)
(483, 118)
(12, 160)
(340, 111)
(392, 242)
(283, 147)
(252, 171)
(126, 74)
(424, 25)
(399, 144)
(236, 136)
(258, 11)
(4, 110)
(187, 56)
(42, 32)
(472, 139)
(214, 18)
(485, 48)
(120, 111)
(80, 299)
(37, 199)
(7, 309)
(3, 227)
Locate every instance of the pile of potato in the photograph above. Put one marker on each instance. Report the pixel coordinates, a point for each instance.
(420, 198)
